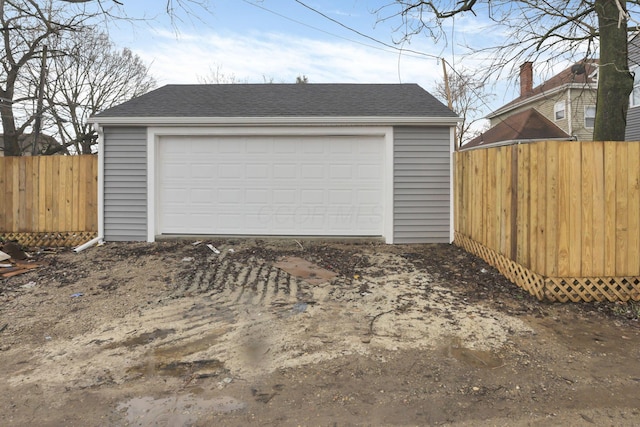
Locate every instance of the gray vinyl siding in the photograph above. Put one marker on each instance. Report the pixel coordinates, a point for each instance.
(125, 183)
(421, 189)
(633, 124)
(632, 132)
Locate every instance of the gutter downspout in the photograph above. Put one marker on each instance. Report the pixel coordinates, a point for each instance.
(99, 239)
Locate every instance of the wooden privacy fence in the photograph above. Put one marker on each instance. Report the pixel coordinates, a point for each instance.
(559, 219)
(49, 200)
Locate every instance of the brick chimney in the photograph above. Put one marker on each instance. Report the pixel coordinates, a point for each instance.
(526, 78)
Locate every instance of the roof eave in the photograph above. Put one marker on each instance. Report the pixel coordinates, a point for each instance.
(274, 121)
(514, 142)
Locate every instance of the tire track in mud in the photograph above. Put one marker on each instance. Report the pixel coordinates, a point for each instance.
(246, 280)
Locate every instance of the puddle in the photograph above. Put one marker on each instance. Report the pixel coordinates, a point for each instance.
(197, 369)
(474, 358)
(142, 339)
(168, 360)
(175, 410)
(305, 270)
(190, 347)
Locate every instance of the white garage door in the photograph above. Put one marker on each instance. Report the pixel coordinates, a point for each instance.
(270, 185)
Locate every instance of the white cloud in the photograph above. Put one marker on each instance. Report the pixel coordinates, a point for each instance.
(252, 57)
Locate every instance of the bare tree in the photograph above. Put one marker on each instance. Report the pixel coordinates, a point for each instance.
(464, 91)
(29, 25)
(572, 29)
(218, 76)
(87, 75)
(26, 25)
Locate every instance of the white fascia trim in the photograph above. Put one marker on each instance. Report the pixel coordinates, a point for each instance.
(154, 134)
(275, 121)
(542, 95)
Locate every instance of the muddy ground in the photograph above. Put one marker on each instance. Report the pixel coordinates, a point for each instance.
(309, 333)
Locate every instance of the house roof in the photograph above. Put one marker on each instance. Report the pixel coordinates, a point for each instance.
(580, 73)
(25, 141)
(281, 101)
(526, 125)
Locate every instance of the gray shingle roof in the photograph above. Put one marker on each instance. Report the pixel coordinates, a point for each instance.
(284, 100)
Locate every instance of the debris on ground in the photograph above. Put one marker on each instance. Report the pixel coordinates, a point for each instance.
(170, 334)
(14, 251)
(17, 267)
(308, 271)
(14, 260)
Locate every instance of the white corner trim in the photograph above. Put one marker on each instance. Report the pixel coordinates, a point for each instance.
(389, 171)
(101, 147)
(452, 187)
(151, 186)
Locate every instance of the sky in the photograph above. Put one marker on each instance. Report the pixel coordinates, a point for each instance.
(258, 41)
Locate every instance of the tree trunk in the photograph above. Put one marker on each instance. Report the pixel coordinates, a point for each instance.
(615, 82)
(10, 136)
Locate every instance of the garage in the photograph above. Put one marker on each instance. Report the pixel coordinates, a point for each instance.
(352, 160)
(278, 185)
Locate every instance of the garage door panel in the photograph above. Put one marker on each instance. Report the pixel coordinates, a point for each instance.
(230, 170)
(312, 147)
(340, 172)
(254, 196)
(257, 171)
(371, 197)
(285, 197)
(312, 171)
(270, 185)
(368, 172)
(202, 196)
(342, 149)
(312, 197)
(202, 170)
(285, 171)
(257, 147)
(285, 146)
(340, 197)
(229, 195)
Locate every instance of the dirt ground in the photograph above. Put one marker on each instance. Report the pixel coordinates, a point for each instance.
(303, 333)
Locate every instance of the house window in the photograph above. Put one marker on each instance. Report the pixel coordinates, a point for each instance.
(589, 116)
(559, 110)
(635, 94)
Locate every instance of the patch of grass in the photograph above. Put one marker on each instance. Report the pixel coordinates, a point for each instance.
(629, 309)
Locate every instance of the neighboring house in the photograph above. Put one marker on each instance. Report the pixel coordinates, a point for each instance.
(633, 114)
(278, 159)
(26, 143)
(525, 126)
(568, 99)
